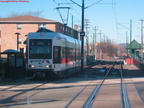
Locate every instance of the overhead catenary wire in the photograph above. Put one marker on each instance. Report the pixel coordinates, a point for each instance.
(93, 4)
(74, 11)
(69, 2)
(119, 26)
(115, 15)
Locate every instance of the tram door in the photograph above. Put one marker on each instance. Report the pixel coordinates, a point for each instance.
(57, 55)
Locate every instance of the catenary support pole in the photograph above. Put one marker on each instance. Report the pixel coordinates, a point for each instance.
(131, 40)
(82, 34)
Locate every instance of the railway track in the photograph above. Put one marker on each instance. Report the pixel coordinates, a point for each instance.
(103, 91)
(20, 94)
(100, 85)
(12, 85)
(124, 93)
(26, 89)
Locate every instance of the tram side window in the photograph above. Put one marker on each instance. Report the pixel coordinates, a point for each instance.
(79, 54)
(63, 52)
(71, 54)
(57, 54)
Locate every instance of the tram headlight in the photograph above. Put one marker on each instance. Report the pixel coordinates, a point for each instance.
(48, 66)
(31, 66)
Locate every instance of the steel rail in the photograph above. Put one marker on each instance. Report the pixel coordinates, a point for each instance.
(124, 94)
(18, 94)
(89, 66)
(16, 85)
(77, 95)
(90, 100)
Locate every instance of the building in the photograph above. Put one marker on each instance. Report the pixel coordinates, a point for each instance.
(24, 25)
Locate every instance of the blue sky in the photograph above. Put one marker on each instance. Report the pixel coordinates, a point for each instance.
(113, 20)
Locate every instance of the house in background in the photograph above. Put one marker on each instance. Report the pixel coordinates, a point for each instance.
(24, 25)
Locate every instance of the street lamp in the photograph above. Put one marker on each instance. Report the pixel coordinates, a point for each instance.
(17, 40)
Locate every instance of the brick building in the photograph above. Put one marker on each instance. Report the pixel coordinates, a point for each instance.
(24, 25)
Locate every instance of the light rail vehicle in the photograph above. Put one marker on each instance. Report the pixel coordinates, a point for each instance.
(52, 54)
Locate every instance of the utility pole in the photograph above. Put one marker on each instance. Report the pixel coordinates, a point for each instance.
(93, 44)
(100, 50)
(86, 26)
(87, 38)
(100, 36)
(95, 49)
(95, 29)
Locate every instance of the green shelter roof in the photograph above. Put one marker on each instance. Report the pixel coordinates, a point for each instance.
(134, 45)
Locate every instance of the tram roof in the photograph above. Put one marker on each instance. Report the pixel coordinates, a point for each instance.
(49, 34)
(42, 29)
(44, 35)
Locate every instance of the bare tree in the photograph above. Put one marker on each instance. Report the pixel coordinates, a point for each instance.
(111, 49)
(33, 13)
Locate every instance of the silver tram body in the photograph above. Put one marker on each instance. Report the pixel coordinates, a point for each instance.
(53, 54)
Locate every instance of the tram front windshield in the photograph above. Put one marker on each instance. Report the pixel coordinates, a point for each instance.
(40, 49)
